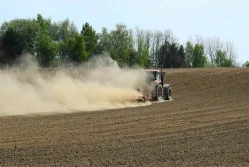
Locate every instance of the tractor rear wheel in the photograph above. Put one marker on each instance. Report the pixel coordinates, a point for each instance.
(167, 92)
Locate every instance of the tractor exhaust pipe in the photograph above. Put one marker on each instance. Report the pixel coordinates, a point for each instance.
(162, 77)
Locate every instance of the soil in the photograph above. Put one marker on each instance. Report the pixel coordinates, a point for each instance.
(206, 124)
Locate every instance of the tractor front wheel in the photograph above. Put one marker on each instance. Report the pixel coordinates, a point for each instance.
(159, 92)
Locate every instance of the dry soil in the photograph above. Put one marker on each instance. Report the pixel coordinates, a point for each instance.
(206, 124)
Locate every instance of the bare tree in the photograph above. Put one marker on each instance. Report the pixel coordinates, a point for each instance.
(230, 51)
(169, 36)
(156, 44)
(199, 40)
(148, 38)
(130, 40)
(212, 46)
(139, 35)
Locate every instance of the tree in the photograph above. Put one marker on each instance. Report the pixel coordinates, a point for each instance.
(198, 58)
(41, 22)
(132, 58)
(11, 44)
(49, 28)
(65, 30)
(103, 41)
(148, 38)
(158, 41)
(142, 54)
(188, 54)
(230, 52)
(61, 33)
(228, 63)
(119, 44)
(18, 36)
(141, 43)
(40, 36)
(221, 59)
(170, 54)
(46, 50)
(180, 58)
(90, 39)
(213, 46)
(246, 64)
(76, 52)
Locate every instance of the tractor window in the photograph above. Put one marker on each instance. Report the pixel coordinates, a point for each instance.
(151, 77)
(157, 76)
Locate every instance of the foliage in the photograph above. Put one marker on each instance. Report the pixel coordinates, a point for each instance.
(171, 55)
(56, 42)
(46, 50)
(188, 54)
(222, 60)
(17, 36)
(246, 64)
(103, 41)
(142, 54)
(119, 47)
(90, 39)
(77, 52)
(198, 57)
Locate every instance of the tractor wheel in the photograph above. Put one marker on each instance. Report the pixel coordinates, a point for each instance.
(167, 92)
(159, 92)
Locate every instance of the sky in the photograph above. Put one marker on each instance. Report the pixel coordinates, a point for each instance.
(225, 19)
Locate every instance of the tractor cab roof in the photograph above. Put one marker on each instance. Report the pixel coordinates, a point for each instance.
(152, 70)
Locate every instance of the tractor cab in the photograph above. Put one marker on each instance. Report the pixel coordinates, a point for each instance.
(155, 78)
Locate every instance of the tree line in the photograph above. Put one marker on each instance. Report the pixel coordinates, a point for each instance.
(53, 43)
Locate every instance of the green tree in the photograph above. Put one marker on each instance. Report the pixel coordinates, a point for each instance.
(103, 41)
(65, 30)
(11, 44)
(180, 57)
(142, 55)
(90, 39)
(41, 22)
(77, 52)
(132, 58)
(46, 50)
(188, 54)
(63, 33)
(63, 51)
(141, 45)
(48, 28)
(18, 36)
(228, 63)
(119, 44)
(171, 58)
(221, 59)
(246, 64)
(171, 55)
(198, 57)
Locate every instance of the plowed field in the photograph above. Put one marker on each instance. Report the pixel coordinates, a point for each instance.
(206, 124)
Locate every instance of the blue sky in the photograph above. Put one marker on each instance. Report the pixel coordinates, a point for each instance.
(226, 19)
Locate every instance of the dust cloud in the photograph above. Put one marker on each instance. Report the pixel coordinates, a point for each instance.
(97, 85)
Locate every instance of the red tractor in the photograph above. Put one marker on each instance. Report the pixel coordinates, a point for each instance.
(161, 91)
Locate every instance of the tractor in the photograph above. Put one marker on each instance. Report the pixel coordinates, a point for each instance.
(160, 91)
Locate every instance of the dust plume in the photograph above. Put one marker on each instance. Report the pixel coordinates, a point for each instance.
(98, 84)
